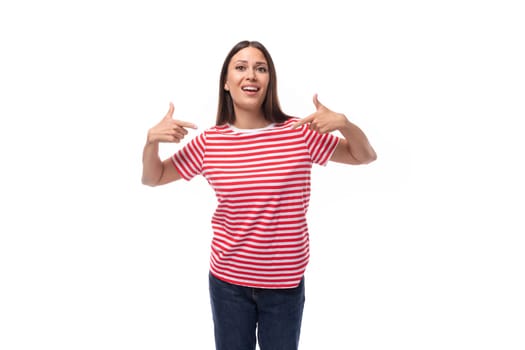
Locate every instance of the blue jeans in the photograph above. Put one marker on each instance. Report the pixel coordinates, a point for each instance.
(241, 315)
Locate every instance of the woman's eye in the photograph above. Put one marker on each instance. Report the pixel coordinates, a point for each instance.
(262, 69)
(241, 68)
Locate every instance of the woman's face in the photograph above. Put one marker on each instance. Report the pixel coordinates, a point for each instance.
(247, 79)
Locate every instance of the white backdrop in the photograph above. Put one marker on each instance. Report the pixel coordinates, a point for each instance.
(422, 249)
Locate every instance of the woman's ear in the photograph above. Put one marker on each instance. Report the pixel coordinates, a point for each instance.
(226, 87)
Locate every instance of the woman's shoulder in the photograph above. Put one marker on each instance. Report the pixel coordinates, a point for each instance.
(288, 122)
(218, 129)
(215, 129)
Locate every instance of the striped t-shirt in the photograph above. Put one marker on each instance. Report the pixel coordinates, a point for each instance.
(261, 178)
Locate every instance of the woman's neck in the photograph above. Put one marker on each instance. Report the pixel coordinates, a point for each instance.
(250, 120)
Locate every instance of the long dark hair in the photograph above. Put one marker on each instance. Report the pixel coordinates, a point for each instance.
(271, 106)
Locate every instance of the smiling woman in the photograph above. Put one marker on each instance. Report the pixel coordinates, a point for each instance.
(420, 250)
(248, 77)
(258, 160)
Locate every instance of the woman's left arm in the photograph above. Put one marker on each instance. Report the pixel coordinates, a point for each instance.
(354, 148)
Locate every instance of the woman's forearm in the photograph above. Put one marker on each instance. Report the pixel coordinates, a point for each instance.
(151, 164)
(357, 143)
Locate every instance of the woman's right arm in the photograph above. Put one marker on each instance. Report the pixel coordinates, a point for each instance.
(154, 171)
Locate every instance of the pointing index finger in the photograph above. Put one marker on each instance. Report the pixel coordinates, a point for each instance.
(302, 122)
(185, 124)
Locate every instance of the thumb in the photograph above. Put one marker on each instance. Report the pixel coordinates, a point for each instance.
(169, 115)
(317, 104)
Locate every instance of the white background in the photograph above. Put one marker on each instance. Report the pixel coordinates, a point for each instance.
(422, 249)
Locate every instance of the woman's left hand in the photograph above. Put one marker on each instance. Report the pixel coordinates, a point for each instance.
(323, 120)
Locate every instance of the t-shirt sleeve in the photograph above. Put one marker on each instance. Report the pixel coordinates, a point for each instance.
(188, 160)
(320, 146)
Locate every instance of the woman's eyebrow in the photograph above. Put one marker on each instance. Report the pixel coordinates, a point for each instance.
(257, 63)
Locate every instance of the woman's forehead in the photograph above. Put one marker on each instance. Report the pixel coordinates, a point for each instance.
(249, 54)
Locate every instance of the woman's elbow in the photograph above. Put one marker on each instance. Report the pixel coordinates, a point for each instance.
(149, 181)
(366, 158)
(371, 157)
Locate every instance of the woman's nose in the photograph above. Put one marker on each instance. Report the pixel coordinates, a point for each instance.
(251, 74)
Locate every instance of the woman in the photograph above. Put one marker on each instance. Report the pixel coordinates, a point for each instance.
(258, 160)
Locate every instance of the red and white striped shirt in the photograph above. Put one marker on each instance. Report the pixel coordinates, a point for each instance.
(261, 178)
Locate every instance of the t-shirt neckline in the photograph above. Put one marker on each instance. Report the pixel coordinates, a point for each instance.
(234, 128)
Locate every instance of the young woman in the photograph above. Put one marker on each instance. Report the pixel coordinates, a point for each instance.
(258, 160)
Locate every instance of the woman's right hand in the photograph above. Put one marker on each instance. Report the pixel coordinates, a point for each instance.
(169, 129)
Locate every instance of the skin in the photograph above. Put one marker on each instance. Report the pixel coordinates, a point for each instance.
(154, 171)
(248, 68)
(354, 148)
